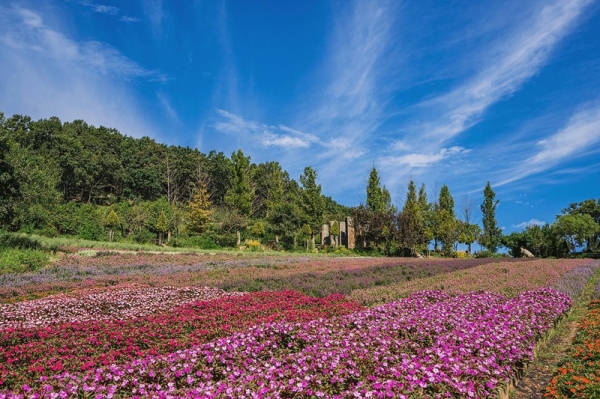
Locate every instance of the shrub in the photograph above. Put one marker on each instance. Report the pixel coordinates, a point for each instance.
(22, 260)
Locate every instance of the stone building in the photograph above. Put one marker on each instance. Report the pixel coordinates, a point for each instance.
(346, 236)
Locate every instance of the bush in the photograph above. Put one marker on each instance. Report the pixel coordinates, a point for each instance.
(144, 237)
(22, 260)
(202, 242)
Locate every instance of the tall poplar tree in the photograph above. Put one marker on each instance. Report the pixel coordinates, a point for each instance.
(446, 226)
(199, 214)
(240, 194)
(492, 234)
(375, 200)
(312, 200)
(411, 226)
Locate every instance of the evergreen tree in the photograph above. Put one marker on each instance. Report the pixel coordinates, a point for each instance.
(375, 200)
(334, 232)
(447, 230)
(312, 200)
(162, 226)
(199, 213)
(111, 222)
(492, 234)
(411, 223)
(240, 194)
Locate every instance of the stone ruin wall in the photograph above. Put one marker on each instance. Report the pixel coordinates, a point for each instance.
(346, 237)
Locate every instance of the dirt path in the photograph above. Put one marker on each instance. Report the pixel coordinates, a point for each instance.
(540, 373)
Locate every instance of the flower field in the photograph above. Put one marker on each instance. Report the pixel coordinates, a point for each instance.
(312, 275)
(505, 278)
(429, 344)
(136, 340)
(579, 374)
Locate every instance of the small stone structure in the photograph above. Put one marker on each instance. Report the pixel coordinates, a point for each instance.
(526, 253)
(346, 236)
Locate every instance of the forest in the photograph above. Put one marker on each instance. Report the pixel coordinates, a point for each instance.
(94, 183)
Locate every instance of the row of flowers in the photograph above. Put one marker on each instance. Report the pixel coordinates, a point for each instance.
(318, 276)
(27, 354)
(427, 345)
(505, 278)
(578, 374)
(111, 303)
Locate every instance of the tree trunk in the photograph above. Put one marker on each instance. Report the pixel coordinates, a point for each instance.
(239, 238)
(169, 235)
(469, 249)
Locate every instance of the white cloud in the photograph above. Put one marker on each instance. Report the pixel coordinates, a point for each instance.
(266, 136)
(104, 9)
(269, 140)
(415, 160)
(510, 64)
(168, 108)
(44, 73)
(155, 13)
(29, 33)
(575, 140)
(532, 222)
(99, 8)
(126, 18)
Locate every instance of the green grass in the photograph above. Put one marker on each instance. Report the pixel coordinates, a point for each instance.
(54, 244)
(14, 260)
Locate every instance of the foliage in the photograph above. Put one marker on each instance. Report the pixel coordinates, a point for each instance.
(199, 213)
(374, 200)
(22, 260)
(576, 229)
(491, 235)
(588, 207)
(240, 194)
(112, 221)
(578, 374)
(313, 206)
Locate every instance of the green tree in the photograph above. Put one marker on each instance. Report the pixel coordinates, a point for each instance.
(313, 205)
(588, 207)
(446, 227)
(576, 229)
(492, 234)
(411, 223)
(306, 233)
(334, 232)
(162, 226)
(258, 229)
(9, 185)
(375, 200)
(199, 212)
(240, 195)
(111, 222)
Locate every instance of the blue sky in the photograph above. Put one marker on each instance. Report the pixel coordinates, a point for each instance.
(454, 92)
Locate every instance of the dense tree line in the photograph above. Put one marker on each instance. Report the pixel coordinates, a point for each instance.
(420, 223)
(577, 227)
(93, 182)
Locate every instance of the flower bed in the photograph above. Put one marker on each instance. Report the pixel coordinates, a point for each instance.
(505, 278)
(578, 375)
(113, 303)
(429, 344)
(316, 276)
(27, 354)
